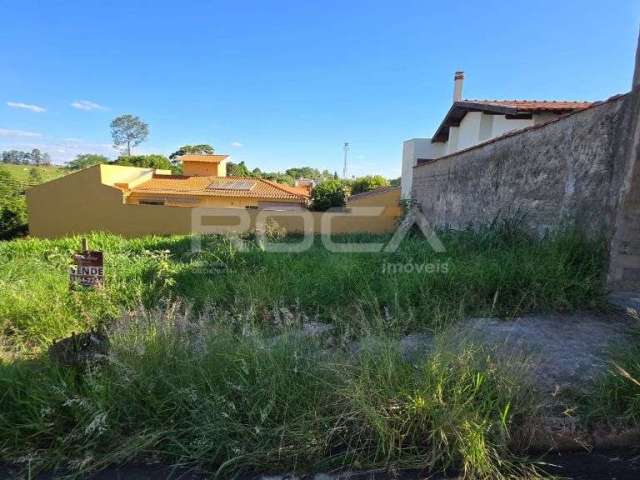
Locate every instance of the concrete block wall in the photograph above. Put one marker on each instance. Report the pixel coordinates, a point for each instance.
(582, 170)
(624, 266)
(566, 172)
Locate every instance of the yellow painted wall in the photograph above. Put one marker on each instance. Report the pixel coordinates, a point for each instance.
(81, 203)
(389, 198)
(204, 169)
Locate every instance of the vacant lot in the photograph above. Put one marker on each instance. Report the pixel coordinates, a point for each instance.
(500, 271)
(240, 361)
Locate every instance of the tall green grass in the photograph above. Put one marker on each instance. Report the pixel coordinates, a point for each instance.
(234, 398)
(497, 271)
(224, 383)
(615, 400)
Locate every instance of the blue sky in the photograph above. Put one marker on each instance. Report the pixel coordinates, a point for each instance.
(284, 83)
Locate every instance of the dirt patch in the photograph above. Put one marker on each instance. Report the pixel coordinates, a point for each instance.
(567, 351)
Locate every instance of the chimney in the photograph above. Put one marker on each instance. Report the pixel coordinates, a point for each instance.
(457, 88)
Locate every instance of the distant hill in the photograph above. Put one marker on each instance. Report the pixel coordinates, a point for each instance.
(22, 173)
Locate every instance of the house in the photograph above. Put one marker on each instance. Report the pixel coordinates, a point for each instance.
(133, 202)
(472, 122)
(204, 183)
(139, 201)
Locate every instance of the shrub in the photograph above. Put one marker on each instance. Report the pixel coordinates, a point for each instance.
(328, 194)
(86, 160)
(13, 209)
(145, 161)
(366, 184)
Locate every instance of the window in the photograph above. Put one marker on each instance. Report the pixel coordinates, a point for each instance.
(151, 202)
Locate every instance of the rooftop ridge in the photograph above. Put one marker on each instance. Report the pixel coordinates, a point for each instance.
(523, 100)
(285, 188)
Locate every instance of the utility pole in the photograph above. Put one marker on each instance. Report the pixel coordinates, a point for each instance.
(346, 154)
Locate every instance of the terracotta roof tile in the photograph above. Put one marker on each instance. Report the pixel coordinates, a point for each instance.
(512, 133)
(503, 107)
(221, 187)
(535, 105)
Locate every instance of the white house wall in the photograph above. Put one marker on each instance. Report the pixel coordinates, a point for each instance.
(502, 125)
(469, 131)
(412, 150)
(475, 128)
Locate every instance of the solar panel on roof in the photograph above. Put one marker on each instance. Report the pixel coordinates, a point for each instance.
(232, 185)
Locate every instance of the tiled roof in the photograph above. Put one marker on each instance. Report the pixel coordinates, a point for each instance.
(534, 105)
(294, 190)
(220, 187)
(502, 107)
(512, 133)
(203, 158)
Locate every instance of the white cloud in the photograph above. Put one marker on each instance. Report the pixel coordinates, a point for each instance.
(9, 133)
(87, 105)
(236, 144)
(61, 150)
(27, 106)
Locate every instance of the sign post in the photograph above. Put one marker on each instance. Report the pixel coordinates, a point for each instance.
(88, 268)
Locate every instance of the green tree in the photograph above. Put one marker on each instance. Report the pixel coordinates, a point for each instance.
(328, 194)
(13, 210)
(279, 178)
(368, 183)
(145, 161)
(16, 157)
(35, 177)
(304, 172)
(237, 170)
(86, 160)
(36, 157)
(128, 131)
(202, 149)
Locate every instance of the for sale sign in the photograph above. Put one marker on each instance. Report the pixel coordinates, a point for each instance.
(88, 270)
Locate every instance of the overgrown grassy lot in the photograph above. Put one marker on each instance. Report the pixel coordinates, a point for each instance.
(208, 367)
(201, 393)
(498, 271)
(616, 398)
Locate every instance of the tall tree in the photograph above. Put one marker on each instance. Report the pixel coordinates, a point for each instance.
(202, 149)
(128, 131)
(16, 157)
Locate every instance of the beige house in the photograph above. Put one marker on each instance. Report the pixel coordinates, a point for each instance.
(142, 201)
